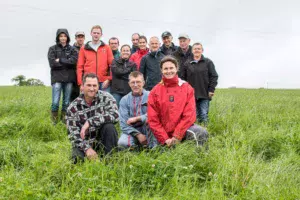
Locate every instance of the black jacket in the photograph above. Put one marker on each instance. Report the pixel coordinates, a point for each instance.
(170, 50)
(64, 70)
(182, 58)
(121, 69)
(201, 75)
(150, 67)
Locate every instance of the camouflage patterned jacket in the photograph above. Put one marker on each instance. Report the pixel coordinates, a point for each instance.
(102, 110)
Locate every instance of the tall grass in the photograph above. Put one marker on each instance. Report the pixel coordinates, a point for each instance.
(254, 153)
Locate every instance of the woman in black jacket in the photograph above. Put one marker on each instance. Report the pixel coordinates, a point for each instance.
(62, 60)
(121, 68)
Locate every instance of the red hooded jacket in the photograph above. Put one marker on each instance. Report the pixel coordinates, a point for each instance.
(137, 57)
(171, 109)
(96, 62)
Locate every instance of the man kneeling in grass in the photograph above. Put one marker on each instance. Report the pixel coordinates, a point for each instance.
(133, 115)
(172, 109)
(90, 121)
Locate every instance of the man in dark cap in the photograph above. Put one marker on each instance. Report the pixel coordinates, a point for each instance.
(168, 46)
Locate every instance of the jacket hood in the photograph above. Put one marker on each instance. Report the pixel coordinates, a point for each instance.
(88, 47)
(62, 30)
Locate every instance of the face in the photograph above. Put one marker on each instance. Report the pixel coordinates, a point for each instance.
(142, 44)
(169, 70)
(154, 44)
(80, 39)
(197, 50)
(167, 41)
(114, 44)
(135, 40)
(184, 43)
(90, 87)
(136, 84)
(125, 52)
(96, 34)
(63, 38)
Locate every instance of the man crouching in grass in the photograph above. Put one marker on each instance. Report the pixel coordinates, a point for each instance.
(90, 121)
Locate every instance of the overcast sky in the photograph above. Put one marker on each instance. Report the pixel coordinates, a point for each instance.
(252, 43)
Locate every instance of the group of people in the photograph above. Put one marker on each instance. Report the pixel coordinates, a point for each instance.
(156, 93)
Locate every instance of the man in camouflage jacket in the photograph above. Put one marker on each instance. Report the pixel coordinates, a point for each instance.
(90, 121)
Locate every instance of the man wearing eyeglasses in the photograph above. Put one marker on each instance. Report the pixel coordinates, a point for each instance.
(114, 45)
(133, 115)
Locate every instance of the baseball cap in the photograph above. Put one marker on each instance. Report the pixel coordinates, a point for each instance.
(183, 35)
(165, 34)
(79, 33)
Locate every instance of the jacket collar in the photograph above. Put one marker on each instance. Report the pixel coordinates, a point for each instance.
(88, 47)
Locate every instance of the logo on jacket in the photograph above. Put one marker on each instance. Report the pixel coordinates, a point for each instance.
(171, 98)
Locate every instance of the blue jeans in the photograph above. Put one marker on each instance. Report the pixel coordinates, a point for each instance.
(202, 108)
(106, 89)
(117, 97)
(57, 88)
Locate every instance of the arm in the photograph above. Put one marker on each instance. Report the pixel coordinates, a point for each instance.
(110, 115)
(212, 76)
(183, 72)
(154, 121)
(124, 116)
(143, 67)
(51, 58)
(80, 66)
(110, 58)
(74, 126)
(188, 116)
(71, 60)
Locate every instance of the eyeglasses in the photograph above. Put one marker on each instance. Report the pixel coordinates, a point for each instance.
(135, 82)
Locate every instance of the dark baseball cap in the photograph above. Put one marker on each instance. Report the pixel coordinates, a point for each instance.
(165, 34)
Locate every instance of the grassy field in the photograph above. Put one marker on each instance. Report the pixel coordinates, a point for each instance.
(254, 153)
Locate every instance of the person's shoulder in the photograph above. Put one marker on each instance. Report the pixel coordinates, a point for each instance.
(124, 99)
(53, 47)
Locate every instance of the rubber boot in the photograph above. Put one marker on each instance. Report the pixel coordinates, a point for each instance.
(63, 117)
(54, 117)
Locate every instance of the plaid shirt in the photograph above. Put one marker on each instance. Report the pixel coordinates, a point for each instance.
(102, 110)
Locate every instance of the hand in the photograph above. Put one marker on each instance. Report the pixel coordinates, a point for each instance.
(84, 129)
(142, 139)
(132, 120)
(105, 84)
(168, 142)
(210, 94)
(175, 141)
(57, 60)
(91, 154)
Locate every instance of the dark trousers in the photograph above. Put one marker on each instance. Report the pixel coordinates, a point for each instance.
(106, 141)
(202, 108)
(75, 92)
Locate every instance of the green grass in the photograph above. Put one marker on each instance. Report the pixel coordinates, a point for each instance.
(254, 153)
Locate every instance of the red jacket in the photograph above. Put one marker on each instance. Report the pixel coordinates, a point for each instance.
(171, 109)
(97, 62)
(137, 57)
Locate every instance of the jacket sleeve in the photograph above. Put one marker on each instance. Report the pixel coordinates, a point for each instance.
(124, 111)
(154, 120)
(80, 66)
(119, 71)
(51, 58)
(188, 116)
(74, 127)
(212, 76)
(110, 58)
(72, 60)
(143, 67)
(110, 115)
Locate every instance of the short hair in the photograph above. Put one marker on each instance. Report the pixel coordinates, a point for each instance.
(136, 74)
(197, 43)
(96, 27)
(169, 59)
(135, 34)
(89, 75)
(143, 37)
(154, 37)
(125, 45)
(113, 38)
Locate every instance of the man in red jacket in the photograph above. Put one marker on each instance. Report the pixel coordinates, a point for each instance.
(172, 109)
(95, 57)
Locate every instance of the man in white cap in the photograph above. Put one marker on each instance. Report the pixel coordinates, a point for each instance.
(168, 46)
(79, 37)
(184, 51)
